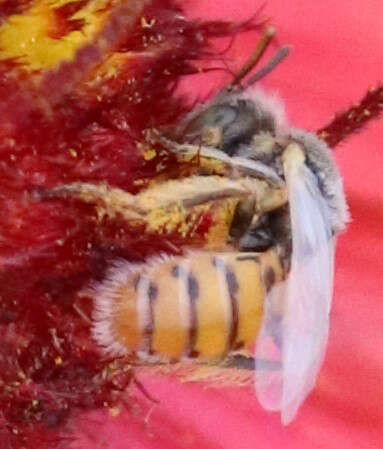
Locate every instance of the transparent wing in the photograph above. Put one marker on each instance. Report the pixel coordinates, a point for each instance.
(269, 383)
(297, 337)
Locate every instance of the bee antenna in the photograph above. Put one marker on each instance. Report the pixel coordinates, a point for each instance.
(262, 44)
(281, 54)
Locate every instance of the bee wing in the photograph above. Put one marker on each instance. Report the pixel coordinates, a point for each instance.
(300, 332)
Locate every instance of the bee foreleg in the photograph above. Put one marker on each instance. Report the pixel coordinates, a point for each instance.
(186, 193)
(109, 200)
(241, 165)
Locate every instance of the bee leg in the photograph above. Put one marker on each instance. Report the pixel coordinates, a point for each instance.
(280, 227)
(259, 240)
(242, 165)
(243, 216)
(248, 363)
(183, 193)
(258, 237)
(109, 201)
(144, 391)
(251, 231)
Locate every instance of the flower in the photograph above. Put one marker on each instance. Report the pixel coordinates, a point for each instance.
(54, 131)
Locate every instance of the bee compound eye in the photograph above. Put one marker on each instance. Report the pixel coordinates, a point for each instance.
(215, 117)
(221, 115)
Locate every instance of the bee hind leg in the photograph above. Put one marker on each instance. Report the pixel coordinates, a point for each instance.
(248, 363)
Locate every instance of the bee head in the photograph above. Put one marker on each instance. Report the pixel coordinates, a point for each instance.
(236, 114)
(245, 122)
(252, 125)
(231, 121)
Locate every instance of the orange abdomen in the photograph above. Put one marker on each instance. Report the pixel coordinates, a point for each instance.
(202, 305)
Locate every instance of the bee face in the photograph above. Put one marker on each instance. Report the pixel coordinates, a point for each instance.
(233, 118)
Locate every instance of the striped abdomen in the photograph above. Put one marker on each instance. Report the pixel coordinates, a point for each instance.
(199, 305)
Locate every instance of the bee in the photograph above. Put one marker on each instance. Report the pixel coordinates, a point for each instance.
(271, 283)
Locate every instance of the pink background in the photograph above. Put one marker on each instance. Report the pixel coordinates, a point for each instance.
(337, 55)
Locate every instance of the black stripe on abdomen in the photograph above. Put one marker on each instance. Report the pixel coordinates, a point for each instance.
(193, 294)
(149, 330)
(232, 288)
(192, 289)
(247, 257)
